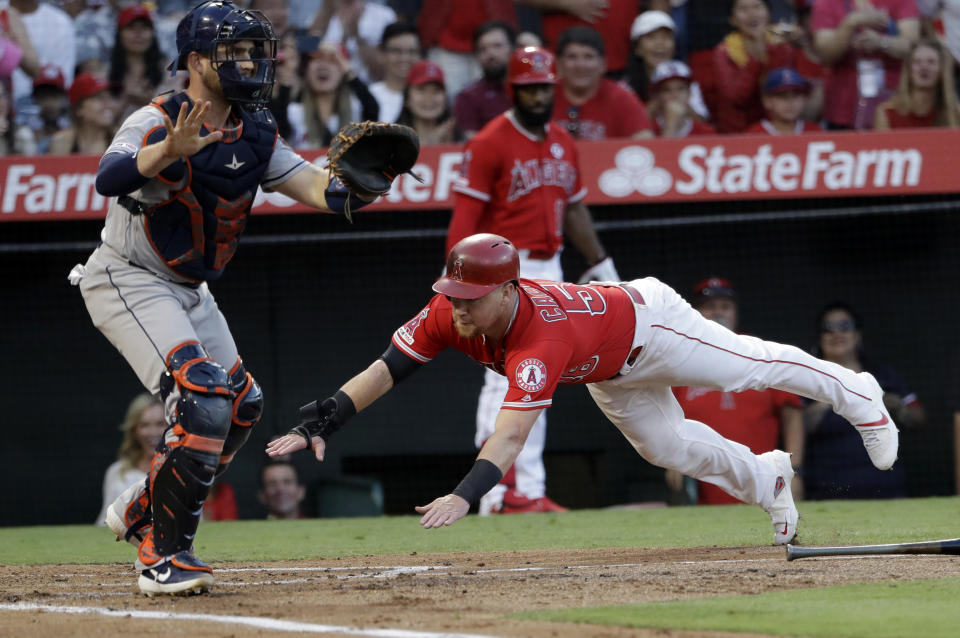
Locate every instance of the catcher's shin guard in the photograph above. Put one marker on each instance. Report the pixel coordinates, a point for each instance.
(247, 409)
(182, 472)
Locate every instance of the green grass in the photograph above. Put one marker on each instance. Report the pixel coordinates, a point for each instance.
(823, 523)
(924, 608)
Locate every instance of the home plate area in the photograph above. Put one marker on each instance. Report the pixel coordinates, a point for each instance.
(420, 595)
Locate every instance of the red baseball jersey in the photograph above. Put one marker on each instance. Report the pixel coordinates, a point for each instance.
(751, 418)
(524, 182)
(613, 111)
(561, 333)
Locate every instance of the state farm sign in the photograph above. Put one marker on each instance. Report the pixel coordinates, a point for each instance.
(705, 168)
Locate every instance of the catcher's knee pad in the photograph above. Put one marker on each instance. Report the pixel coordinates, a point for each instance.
(247, 409)
(205, 406)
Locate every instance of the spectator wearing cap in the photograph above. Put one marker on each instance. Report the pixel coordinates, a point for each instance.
(588, 105)
(493, 44)
(763, 420)
(653, 37)
(425, 106)
(446, 31)
(926, 96)
(93, 116)
(400, 48)
(51, 33)
(785, 94)
(137, 68)
(49, 109)
(742, 60)
(611, 18)
(670, 107)
(358, 27)
(332, 96)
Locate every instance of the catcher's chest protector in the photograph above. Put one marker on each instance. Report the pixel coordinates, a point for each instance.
(197, 231)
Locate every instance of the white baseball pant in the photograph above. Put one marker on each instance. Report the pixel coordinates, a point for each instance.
(531, 475)
(681, 348)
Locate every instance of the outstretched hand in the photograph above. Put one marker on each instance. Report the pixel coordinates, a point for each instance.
(290, 443)
(183, 138)
(445, 510)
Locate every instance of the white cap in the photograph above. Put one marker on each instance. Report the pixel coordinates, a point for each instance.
(650, 21)
(669, 70)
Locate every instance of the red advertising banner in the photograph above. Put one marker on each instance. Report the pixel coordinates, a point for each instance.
(695, 169)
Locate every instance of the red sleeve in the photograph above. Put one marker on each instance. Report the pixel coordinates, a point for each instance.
(630, 113)
(736, 85)
(533, 373)
(424, 337)
(579, 190)
(779, 55)
(826, 15)
(906, 9)
(781, 399)
(756, 129)
(465, 219)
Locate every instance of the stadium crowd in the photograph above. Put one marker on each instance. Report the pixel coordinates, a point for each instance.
(70, 71)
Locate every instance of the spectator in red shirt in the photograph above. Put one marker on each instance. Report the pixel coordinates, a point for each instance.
(670, 108)
(493, 44)
(785, 92)
(741, 60)
(926, 96)
(588, 105)
(611, 18)
(759, 419)
(446, 30)
(862, 42)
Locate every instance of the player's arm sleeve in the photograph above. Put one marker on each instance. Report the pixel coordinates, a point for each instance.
(474, 188)
(422, 337)
(579, 190)
(284, 164)
(399, 364)
(117, 173)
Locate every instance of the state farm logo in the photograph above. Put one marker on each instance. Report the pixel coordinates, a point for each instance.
(635, 172)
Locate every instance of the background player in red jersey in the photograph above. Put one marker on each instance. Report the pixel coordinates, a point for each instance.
(760, 419)
(628, 343)
(520, 178)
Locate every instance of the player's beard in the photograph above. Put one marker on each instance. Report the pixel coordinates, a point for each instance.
(211, 81)
(467, 332)
(532, 119)
(495, 74)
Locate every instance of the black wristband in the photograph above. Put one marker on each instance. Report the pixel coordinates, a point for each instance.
(478, 481)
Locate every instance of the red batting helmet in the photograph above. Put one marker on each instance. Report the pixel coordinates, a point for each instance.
(531, 65)
(478, 264)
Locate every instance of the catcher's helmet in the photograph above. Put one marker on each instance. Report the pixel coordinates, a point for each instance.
(531, 65)
(217, 22)
(478, 264)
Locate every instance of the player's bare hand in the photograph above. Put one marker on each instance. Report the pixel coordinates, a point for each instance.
(290, 443)
(445, 510)
(183, 138)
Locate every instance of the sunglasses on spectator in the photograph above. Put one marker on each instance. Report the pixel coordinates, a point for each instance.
(843, 325)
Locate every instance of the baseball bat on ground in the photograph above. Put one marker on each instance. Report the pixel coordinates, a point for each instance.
(951, 546)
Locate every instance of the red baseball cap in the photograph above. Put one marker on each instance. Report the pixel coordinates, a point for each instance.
(425, 72)
(50, 75)
(714, 287)
(136, 12)
(86, 85)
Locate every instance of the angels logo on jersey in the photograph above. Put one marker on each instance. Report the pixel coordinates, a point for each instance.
(406, 331)
(531, 375)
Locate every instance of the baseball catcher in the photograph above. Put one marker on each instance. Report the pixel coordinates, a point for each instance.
(182, 173)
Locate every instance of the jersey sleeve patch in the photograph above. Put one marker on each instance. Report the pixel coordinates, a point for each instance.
(531, 375)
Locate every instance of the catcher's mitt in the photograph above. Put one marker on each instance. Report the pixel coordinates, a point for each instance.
(368, 156)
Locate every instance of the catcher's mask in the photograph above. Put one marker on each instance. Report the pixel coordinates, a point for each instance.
(220, 22)
(478, 264)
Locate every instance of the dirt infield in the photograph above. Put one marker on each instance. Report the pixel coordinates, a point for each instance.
(462, 593)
